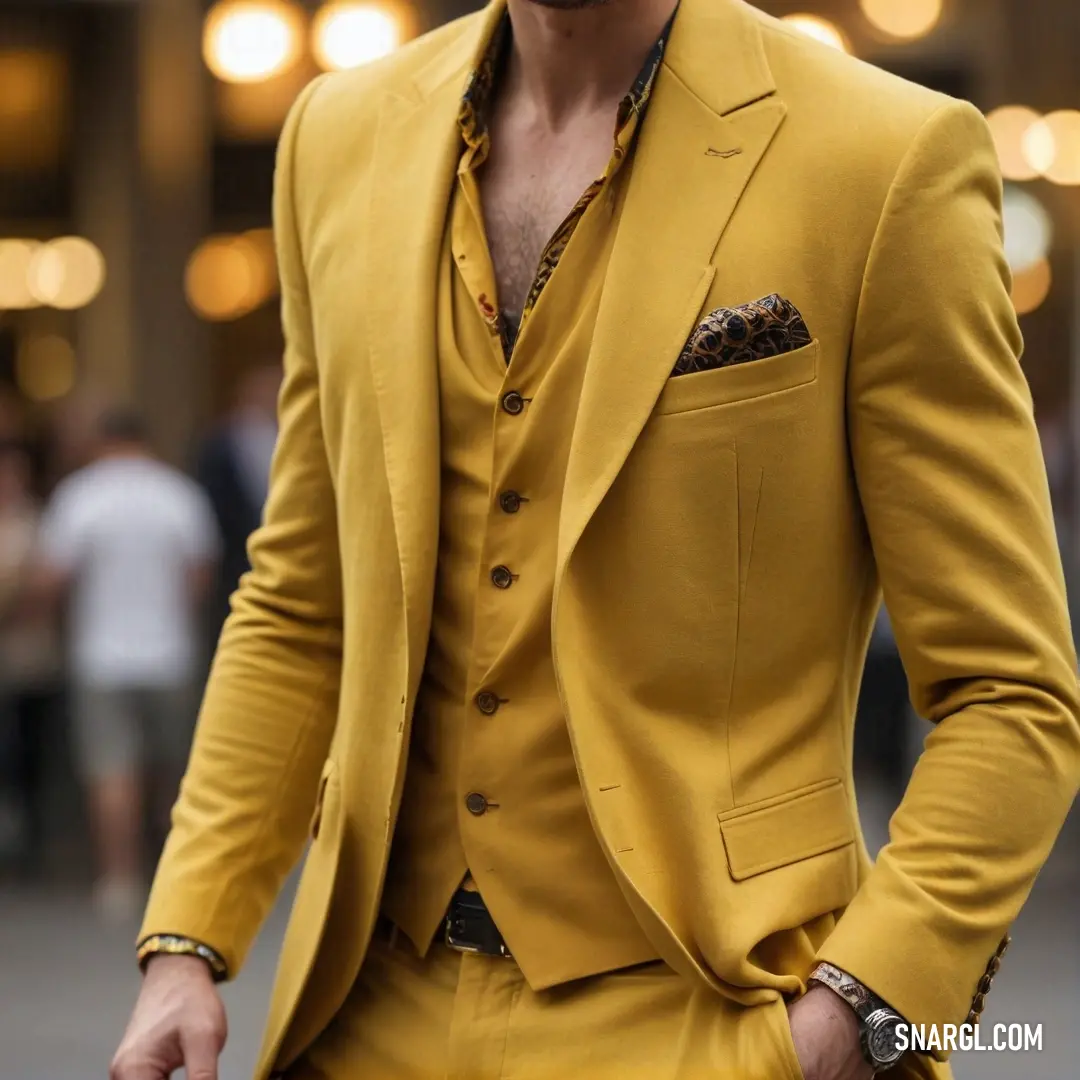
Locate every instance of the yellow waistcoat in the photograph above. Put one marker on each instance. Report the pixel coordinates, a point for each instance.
(488, 723)
(721, 541)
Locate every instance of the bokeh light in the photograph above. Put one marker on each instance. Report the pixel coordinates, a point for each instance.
(1052, 146)
(1029, 231)
(255, 112)
(348, 33)
(66, 273)
(1039, 146)
(1032, 286)
(45, 367)
(34, 93)
(903, 19)
(229, 276)
(1009, 125)
(16, 257)
(814, 26)
(252, 40)
(264, 262)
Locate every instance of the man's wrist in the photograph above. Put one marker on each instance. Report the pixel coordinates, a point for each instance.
(167, 968)
(176, 945)
(878, 1021)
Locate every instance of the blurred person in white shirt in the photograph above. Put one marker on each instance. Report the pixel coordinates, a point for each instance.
(131, 542)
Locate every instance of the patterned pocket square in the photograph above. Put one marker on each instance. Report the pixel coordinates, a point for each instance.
(768, 327)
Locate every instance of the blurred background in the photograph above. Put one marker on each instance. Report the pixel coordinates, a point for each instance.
(139, 353)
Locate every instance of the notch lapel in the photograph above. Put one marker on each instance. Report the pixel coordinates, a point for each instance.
(699, 147)
(415, 159)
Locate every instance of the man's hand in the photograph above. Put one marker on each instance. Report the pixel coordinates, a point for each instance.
(179, 1021)
(825, 1031)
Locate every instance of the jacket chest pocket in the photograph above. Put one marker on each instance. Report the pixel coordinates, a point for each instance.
(740, 382)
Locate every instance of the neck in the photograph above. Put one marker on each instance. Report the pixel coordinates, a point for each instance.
(115, 451)
(567, 59)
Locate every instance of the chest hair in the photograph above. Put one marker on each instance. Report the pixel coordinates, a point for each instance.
(529, 184)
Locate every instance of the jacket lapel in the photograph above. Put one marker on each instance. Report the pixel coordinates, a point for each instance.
(416, 154)
(699, 147)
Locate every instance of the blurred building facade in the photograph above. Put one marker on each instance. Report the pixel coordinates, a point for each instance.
(148, 128)
(114, 129)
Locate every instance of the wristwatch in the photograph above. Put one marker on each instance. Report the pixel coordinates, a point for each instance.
(878, 1022)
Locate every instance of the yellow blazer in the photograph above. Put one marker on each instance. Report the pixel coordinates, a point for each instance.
(722, 541)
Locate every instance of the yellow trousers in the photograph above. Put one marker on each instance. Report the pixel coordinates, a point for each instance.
(452, 1016)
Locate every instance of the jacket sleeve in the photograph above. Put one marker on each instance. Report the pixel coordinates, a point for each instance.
(270, 706)
(952, 481)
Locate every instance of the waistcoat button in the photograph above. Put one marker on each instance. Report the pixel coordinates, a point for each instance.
(475, 803)
(487, 702)
(501, 577)
(510, 502)
(513, 402)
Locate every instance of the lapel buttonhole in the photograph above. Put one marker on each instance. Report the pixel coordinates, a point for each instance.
(724, 153)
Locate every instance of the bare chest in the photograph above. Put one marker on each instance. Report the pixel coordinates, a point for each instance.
(527, 191)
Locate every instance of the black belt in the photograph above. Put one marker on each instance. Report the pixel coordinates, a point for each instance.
(470, 927)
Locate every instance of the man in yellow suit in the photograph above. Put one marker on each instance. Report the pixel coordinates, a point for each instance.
(596, 454)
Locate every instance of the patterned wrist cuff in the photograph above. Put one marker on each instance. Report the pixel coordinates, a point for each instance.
(175, 945)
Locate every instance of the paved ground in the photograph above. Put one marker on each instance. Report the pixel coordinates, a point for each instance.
(66, 985)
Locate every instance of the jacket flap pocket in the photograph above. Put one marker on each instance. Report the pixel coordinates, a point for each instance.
(775, 832)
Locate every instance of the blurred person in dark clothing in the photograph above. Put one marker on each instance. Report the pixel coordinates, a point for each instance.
(885, 719)
(1059, 449)
(29, 664)
(234, 470)
(133, 542)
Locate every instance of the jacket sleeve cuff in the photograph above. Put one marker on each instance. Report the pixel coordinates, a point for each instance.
(926, 969)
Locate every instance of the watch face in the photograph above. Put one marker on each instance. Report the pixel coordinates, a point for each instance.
(880, 1038)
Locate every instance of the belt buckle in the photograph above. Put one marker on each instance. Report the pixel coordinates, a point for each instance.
(458, 945)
